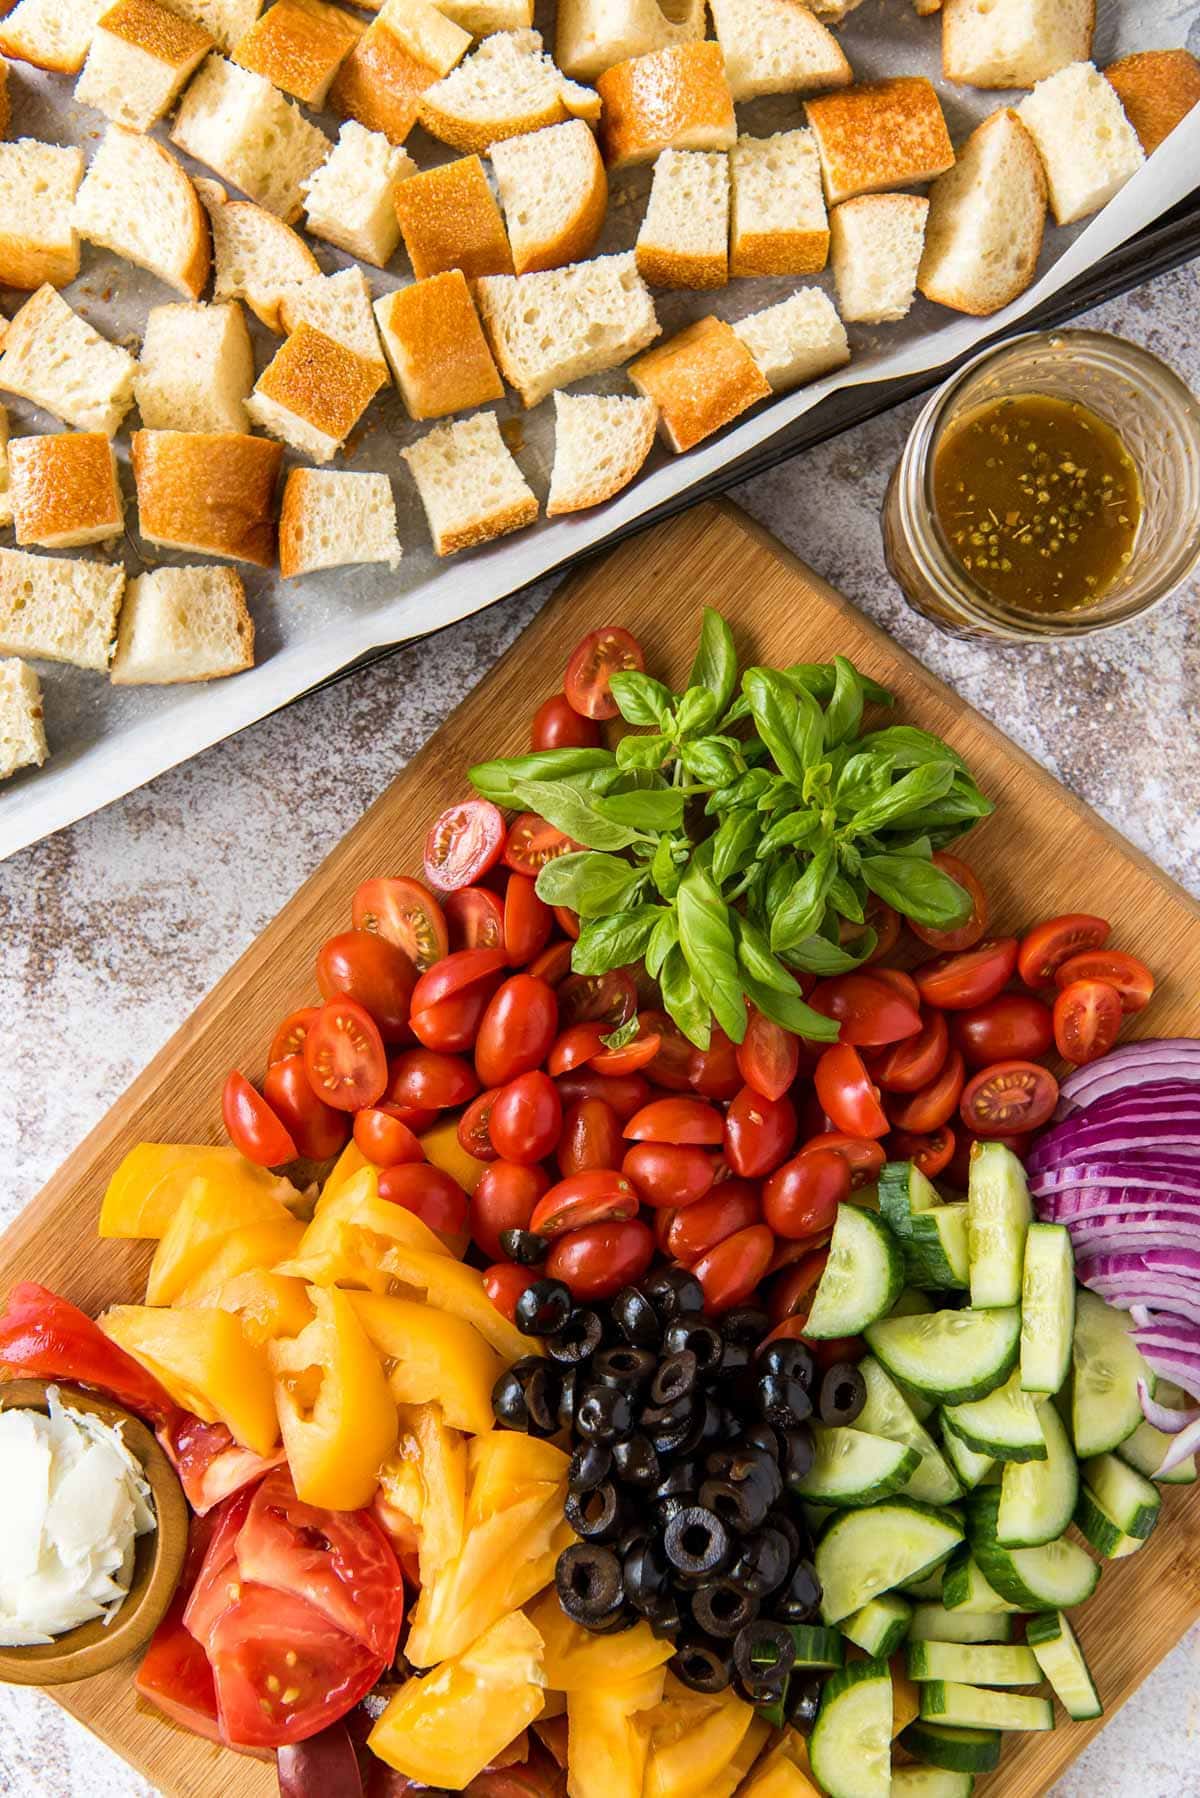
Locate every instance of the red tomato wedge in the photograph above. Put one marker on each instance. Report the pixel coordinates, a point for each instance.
(175, 1677)
(635, 1054)
(768, 1057)
(531, 843)
(384, 1138)
(932, 1154)
(759, 1133)
(962, 936)
(421, 1079)
(601, 1195)
(959, 982)
(430, 1194)
(1087, 1017)
(516, 1030)
(252, 1125)
(45, 1337)
(869, 1010)
(474, 919)
(731, 1271)
(626, 1093)
(801, 1197)
(474, 1125)
(282, 1670)
(1130, 978)
(289, 1038)
(454, 973)
(910, 1064)
(215, 1584)
(317, 1130)
(866, 1157)
(932, 1105)
(677, 1120)
(463, 843)
(344, 1056)
(698, 1227)
(714, 1071)
(668, 1174)
(609, 999)
(504, 1200)
(372, 970)
(1009, 1099)
(591, 1137)
(528, 921)
(505, 1282)
(1012, 1026)
(575, 1047)
(553, 964)
(594, 661)
(597, 1260)
(406, 914)
(557, 725)
(848, 1096)
(901, 983)
(1048, 945)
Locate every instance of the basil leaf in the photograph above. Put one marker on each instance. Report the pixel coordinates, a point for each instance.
(746, 790)
(643, 752)
(707, 940)
(666, 866)
(780, 881)
(733, 843)
(715, 666)
(684, 1000)
(754, 953)
(696, 711)
(962, 805)
(850, 858)
(614, 941)
(656, 810)
(589, 883)
(790, 1012)
(863, 778)
(906, 797)
(845, 900)
(820, 678)
(804, 906)
(711, 760)
(575, 813)
(496, 780)
(663, 939)
(641, 699)
(789, 721)
(909, 747)
(624, 1033)
(793, 830)
(918, 889)
(817, 955)
(843, 715)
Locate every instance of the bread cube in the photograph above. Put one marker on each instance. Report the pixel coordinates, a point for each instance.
(314, 393)
(554, 327)
(140, 59)
(226, 21)
(238, 124)
(778, 220)
(879, 135)
(5, 100)
(405, 50)
(1014, 44)
(1157, 88)
(64, 490)
(469, 484)
(6, 511)
(257, 256)
(797, 340)
(684, 237)
(876, 242)
(22, 724)
(58, 361)
(350, 200)
(330, 520)
(208, 492)
(38, 239)
(57, 609)
(482, 17)
(436, 347)
(700, 379)
(137, 201)
(196, 369)
(340, 306)
(593, 35)
(1088, 148)
(505, 88)
(449, 219)
(777, 47)
(51, 34)
(674, 99)
(182, 624)
(986, 219)
(299, 45)
(600, 443)
(554, 192)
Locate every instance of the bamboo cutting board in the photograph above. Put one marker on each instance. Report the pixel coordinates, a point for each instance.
(1043, 852)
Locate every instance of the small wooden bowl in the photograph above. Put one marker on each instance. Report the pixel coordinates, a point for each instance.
(158, 1556)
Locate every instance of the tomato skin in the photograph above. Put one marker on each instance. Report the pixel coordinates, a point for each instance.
(474, 1125)
(601, 654)
(575, 1047)
(553, 964)
(910, 1064)
(1131, 978)
(568, 921)
(791, 1292)
(1087, 1017)
(626, 1093)
(404, 913)
(768, 1057)
(759, 1133)
(932, 1105)
(731, 1270)
(344, 1056)
(531, 843)
(802, 1197)
(962, 936)
(465, 968)
(932, 1153)
(505, 1282)
(1010, 1026)
(677, 1121)
(1048, 945)
(317, 1130)
(557, 725)
(252, 1126)
(474, 920)
(1008, 1099)
(848, 1097)
(373, 971)
(516, 1030)
(289, 1038)
(879, 917)
(696, 1228)
(504, 1200)
(591, 1137)
(384, 1138)
(863, 1156)
(609, 999)
(424, 1080)
(528, 921)
(714, 1071)
(436, 1198)
(901, 983)
(597, 1260)
(667, 1174)
(672, 1066)
(463, 842)
(611, 1064)
(962, 981)
(526, 1118)
(599, 1195)
(869, 1010)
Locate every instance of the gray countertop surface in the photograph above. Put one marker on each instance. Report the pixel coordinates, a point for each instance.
(112, 930)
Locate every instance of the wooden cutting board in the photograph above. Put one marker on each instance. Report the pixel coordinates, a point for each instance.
(1043, 852)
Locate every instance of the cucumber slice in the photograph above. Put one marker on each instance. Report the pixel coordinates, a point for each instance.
(1047, 1307)
(1005, 1424)
(957, 1750)
(967, 1593)
(1145, 1449)
(951, 1356)
(852, 1467)
(931, 1782)
(880, 1626)
(851, 1745)
(816, 1647)
(999, 1212)
(1122, 1494)
(888, 1413)
(1050, 1578)
(1037, 1498)
(904, 1193)
(973, 1664)
(864, 1553)
(1102, 1531)
(863, 1276)
(1128, 1545)
(970, 1469)
(935, 1249)
(930, 1586)
(970, 1707)
(934, 1623)
(1107, 1365)
(1061, 1660)
(910, 1303)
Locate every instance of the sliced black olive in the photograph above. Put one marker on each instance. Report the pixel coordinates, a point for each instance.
(697, 1541)
(764, 1651)
(566, 1399)
(590, 1464)
(792, 1530)
(636, 1318)
(700, 1339)
(752, 1466)
(762, 1436)
(804, 1701)
(703, 1666)
(843, 1394)
(542, 1308)
(669, 1426)
(623, 1366)
(763, 1562)
(782, 1401)
(742, 1507)
(674, 1378)
(636, 1462)
(623, 1618)
(800, 1599)
(799, 1450)
(666, 1619)
(508, 1402)
(682, 1476)
(596, 1515)
(791, 1359)
(713, 1423)
(746, 1326)
(588, 1581)
(670, 1507)
(646, 1575)
(526, 1397)
(579, 1338)
(674, 1293)
(722, 1609)
(603, 1414)
(524, 1246)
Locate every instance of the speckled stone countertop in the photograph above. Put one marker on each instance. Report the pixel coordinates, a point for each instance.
(112, 930)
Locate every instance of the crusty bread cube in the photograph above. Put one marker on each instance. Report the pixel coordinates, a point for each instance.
(141, 56)
(554, 192)
(469, 484)
(137, 201)
(673, 99)
(226, 21)
(58, 609)
(600, 443)
(449, 219)
(257, 256)
(196, 369)
(551, 328)
(299, 45)
(1088, 147)
(340, 306)
(5, 100)
(1157, 88)
(238, 124)
(330, 520)
(209, 492)
(832, 12)
(350, 200)
(436, 347)
(405, 50)
(700, 379)
(6, 512)
(778, 223)
(22, 720)
(56, 359)
(183, 624)
(797, 340)
(38, 239)
(986, 219)
(879, 135)
(51, 34)
(1015, 43)
(876, 242)
(506, 87)
(777, 47)
(314, 393)
(684, 237)
(593, 35)
(64, 490)
(482, 17)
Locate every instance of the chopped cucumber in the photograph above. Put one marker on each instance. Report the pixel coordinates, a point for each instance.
(816, 1646)
(910, 1303)
(935, 1249)
(904, 1193)
(1037, 1498)
(1107, 1365)
(1004, 1424)
(929, 1586)
(1061, 1660)
(888, 1413)
(1122, 1494)
(853, 1467)
(1102, 1531)
(1147, 1446)
(999, 1213)
(970, 1707)
(851, 1745)
(1047, 1308)
(970, 1469)
(967, 1593)
(957, 1750)
(1052, 1577)
(951, 1356)
(865, 1552)
(975, 1664)
(1128, 1545)
(931, 1782)
(880, 1626)
(863, 1276)
(934, 1623)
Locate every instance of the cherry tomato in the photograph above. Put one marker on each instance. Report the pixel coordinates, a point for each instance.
(253, 1128)
(962, 936)
(848, 1097)
(384, 1138)
(1008, 1098)
(452, 1025)
(609, 999)
(691, 1231)
(759, 1133)
(1010, 1025)
(677, 1120)
(474, 919)
(463, 842)
(597, 1260)
(931, 1153)
(900, 982)
(672, 1065)
(474, 1126)
(870, 1012)
(933, 1105)
(879, 917)
(1048, 945)
(425, 1080)
(593, 663)
(731, 1271)
(803, 1195)
(568, 921)
(317, 1130)
(628, 1094)
(289, 1038)
(1087, 1017)
(457, 973)
(575, 1047)
(768, 1057)
(598, 1195)
(526, 1118)
(372, 970)
(553, 964)
(344, 1056)
(429, 1192)
(528, 921)
(636, 1054)
(961, 982)
(1131, 978)
(591, 1137)
(418, 1117)
(505, 1283)
(407, 914)
(557, 725)
(504, 1200)
(516, 1030)
(913, 1063)
(531, 843)
(792, 1290)
(714, 1071)
(667, 1174)
(864, 1157)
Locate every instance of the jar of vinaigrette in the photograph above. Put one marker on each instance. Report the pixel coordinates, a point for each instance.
(1050, 489)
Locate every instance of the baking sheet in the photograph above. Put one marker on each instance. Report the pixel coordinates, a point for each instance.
(105, 741)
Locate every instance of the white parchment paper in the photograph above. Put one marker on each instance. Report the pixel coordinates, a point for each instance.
(104, 741)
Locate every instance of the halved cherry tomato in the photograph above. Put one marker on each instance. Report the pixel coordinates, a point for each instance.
(426, 1080)
(372, 970)
(531, 843)
(714, 1071)
(591, 1137)
(429, 1192)
(1047, 946)
(907, 1065)
(516, 1030)
(932, 1105)
(504, 1200)
(474, 919)
(803, 1195)
(791, 1291)
(608, 999)
(526, 1118)
(528, 921)
(253, 1126)
(505, 1283)
(626, 1093)
(553, 964)
(759, 1133)
(1131, 978)
(1008, 1099)
(384, 1138)
(879, 917)
(597, 1260)
(599, 1195)
(474, 1133)
(864, 1157)
(1012, 1025)
(960, 982)
(768, 1057)
(962, 936)
(731, 1271)
(870, 1012)
(463, 842)
(407, 914)
(575, 1047)
(1087, 1018)
(677, 1120)
(691, 1231)
(452, 1025)
(568, 921)
(636, 1054)
(454, 973)
(900, 982)
(848, 1096)
(557, 725)
(344, 1056)
(593, 663)
(931, 1153)
(668, 1174)
(672, 1065)
(289, 1038)
(317, 1130)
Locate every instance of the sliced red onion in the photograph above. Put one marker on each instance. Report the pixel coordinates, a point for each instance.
(1154, 1058)
(1178, 1137)
(1149, 1173)
(1182, 1448)
(1164, 1417)
(1178, 1366)
(1124, 1290)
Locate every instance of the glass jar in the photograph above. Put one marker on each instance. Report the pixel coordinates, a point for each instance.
(1152, 411)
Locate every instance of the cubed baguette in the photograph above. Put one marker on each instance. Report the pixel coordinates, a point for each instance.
(180, 625)
(594, 35)
(60, 362)
(600, 443)
(210, 493)
(777, 47)
(258, 258)
(350, 201)
(1015, 44)
(673, 99)
(137, 201)
(876, 243)
(51, 34)
(684, 237)
(701, 379)
(22, 719)
(551, 328)
(64, 490)
(58, 609)
(1157, 88)
(436, 347)
(797, 340)
(879, 135)
(554, 192)
(196, 369)
(986, 219)
(505, 88)
(469, 484)
(141, 57)
(1088, 147)
(38, 239)
(778, 223)
(235, 122)
(331, 520)
(299, 45)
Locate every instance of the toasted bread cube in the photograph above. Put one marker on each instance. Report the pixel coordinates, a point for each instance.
(880, 135)
(409, 47)
(600, 443)
(673, 99)
(469, 484)
(330, 520)
(1157, 88)
(38, 239)
(183, 624)
(22, 720)
(449, 219)
(340, 306)
(238, 124)
(299, 45)
(777, 47)
(832, 12)
(314, 393)
(684, 238)
(593, 35)
(986, 219)
(196, 369)
(137, 201)
(226, 21)
(57, 609)
(140, 59)
(5, 100)
(797, 340)
(554, 192)
(505, 88)
(209, 492)
(55, 358)
(350, 200)
(6, 511)
(482, 17)
(51, 34)
(778, 220)
(1088, 147)
(700, 379)
(551, 328)
(1016, 43)
(257, 256)
(436, 347)
(64, 490)
(876, 242)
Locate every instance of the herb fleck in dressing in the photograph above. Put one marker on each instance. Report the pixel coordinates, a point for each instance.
(1039, 500)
